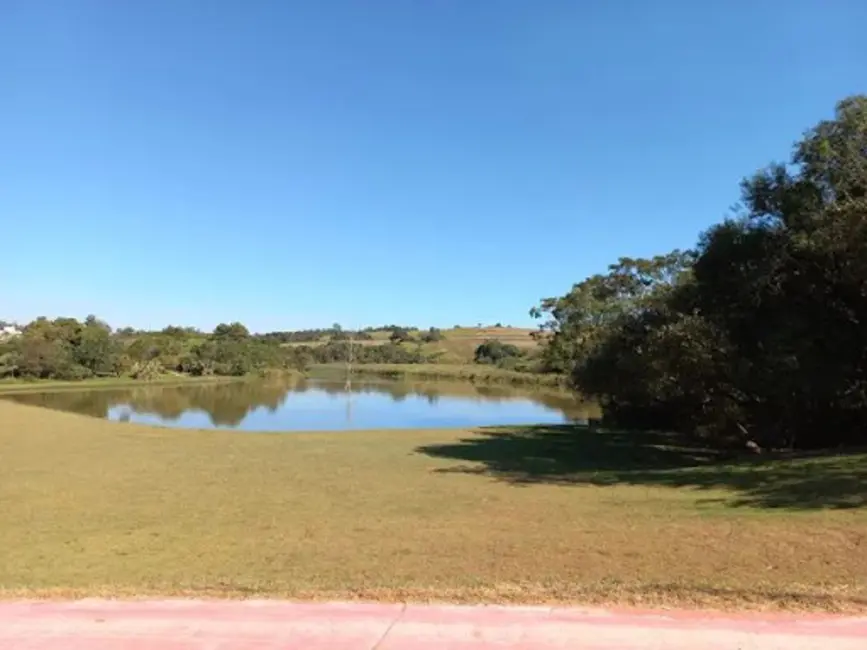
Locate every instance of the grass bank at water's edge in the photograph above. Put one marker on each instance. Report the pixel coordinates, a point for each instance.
(469, 372)
(50, 385)
(512, 514)
(472, 373)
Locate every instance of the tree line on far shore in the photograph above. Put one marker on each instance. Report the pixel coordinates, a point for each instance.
(70, 349)
(759, 334)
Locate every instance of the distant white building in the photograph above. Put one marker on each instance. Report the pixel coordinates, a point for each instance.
(8, 331)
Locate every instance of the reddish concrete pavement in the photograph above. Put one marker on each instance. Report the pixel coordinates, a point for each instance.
(272, 625)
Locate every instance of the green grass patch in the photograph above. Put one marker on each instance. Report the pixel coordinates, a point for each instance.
(517, 514)
(474, 373)
(51, 385)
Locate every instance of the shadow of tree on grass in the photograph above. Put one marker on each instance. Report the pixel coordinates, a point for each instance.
(575, 455)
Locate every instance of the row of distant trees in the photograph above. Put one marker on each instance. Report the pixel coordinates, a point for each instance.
(395, 334)
(759, 334)
(66, 348)
(69, 349)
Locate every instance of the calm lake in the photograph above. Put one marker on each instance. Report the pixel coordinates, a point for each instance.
(319, 404)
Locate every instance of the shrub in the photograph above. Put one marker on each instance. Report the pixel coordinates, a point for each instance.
(432, 335)
(496, 352)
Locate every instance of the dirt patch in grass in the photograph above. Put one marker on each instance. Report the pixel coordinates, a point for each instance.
(91, 507)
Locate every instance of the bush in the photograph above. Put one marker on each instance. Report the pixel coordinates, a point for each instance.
(399, 335)
(338, 352)
(432, 335)
(497, 353)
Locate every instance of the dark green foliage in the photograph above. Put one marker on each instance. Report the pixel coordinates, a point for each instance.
(761, 334)
(390, 328)
(231, 332)
(338, 352)
(316, 335)
(498, 353)
(399, 335)
(171, 330)
(67, 349)
(63, 348)
(432, 335)
(301, 336)
(97, 351)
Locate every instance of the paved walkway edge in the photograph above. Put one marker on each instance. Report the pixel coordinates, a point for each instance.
(267, 624)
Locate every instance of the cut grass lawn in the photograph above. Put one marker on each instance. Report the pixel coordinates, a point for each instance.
(520, 514)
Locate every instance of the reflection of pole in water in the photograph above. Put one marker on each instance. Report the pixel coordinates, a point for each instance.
(349, 364)
(348, 385)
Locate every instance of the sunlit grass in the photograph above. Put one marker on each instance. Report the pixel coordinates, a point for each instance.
(94, 507)
(457, 346)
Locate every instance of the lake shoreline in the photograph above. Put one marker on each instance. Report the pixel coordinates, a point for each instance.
(473, 373)
(54, 385)
(311, 403)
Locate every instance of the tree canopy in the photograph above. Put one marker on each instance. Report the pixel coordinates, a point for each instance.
(65, 348)
(433, 335)
(760, 333)
(496, 352)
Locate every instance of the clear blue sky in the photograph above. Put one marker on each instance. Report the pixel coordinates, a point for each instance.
(296, 163)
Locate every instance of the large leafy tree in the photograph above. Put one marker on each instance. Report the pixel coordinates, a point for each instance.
(787, 283)
(574, 325)
(763, 335)
(231, 332)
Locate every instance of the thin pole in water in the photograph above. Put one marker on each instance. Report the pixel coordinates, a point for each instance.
(349, 364)
(348, 386)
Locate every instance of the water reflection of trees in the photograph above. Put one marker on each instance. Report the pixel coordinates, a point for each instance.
(227, 404)
(77, 401)
(561, 400)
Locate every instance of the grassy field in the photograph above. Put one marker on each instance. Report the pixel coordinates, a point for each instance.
(458, 344)
(532, 514)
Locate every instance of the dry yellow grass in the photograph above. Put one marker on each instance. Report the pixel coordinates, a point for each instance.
(91, 507)
(458, 344)
(520, 336)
